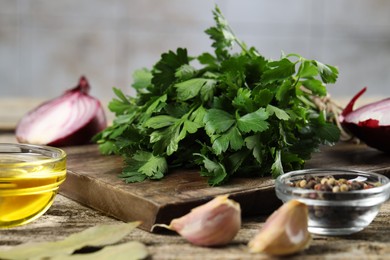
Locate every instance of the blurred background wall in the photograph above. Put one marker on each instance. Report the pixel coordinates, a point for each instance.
(45, 46)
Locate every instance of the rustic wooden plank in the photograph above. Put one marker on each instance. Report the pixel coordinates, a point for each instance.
(92, 180)
(351, 156)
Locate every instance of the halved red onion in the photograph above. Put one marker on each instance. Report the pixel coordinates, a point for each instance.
(369, 123)
(71, 119)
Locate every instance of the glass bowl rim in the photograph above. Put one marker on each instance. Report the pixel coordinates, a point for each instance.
(279, 182)
(60, 154)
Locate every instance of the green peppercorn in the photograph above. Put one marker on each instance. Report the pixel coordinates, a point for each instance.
(344, 187)
(302, 183)
(341, 181)
(336, 189)
(331, 181)
(324, 180)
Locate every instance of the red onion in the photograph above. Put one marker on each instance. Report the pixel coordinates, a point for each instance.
(369, 123)
(71, 119)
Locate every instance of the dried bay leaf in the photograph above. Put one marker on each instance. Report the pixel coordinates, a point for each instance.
(97, 236)
(133, 250)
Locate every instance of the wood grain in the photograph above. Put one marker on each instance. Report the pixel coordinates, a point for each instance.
(351, 156)
(93, 181)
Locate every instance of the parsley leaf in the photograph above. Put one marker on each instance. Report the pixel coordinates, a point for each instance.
(218, 121)
(144, 165)
(192, 87)
(255, 121)
(231, 114)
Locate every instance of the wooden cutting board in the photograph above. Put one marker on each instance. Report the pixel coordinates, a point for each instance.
(92, 180)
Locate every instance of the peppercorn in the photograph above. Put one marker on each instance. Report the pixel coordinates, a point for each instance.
(330, 183)
(310, 184)
(336, 189)
(344, 187)
(356, 185)
(325, 187)
(302, 183)
(341, 181)
(309, 178)
(317, 186)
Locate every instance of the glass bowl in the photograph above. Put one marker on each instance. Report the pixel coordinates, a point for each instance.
(30, 176)
(337, 212)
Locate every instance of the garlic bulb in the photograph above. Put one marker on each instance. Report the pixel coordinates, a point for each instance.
(284, 232)
(212, 224)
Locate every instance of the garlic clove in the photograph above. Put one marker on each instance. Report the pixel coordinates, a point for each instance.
(284, 232)
(212, 224)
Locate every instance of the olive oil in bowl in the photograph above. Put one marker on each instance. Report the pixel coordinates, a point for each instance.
(29, 180)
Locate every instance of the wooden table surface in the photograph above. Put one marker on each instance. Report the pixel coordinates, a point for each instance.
(66, 217)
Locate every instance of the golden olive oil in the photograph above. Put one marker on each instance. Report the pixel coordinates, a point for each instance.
(28, 186)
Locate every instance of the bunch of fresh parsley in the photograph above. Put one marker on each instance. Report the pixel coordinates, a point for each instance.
(239, 114)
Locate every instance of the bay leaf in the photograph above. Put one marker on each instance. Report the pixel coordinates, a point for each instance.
(97, 236)
(133, 250)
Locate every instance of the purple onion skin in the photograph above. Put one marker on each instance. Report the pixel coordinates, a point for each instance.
(81, 134)
(369, 131)
(377, 137)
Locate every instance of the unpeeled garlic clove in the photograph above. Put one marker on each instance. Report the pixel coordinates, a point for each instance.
(284, 232)
(212, 224)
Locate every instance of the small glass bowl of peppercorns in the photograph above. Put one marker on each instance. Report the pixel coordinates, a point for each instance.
(340, 201)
